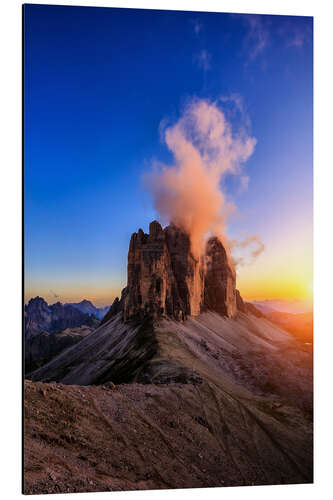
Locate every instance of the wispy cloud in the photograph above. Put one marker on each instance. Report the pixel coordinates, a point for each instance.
(237, 110)
(257, 37)
(237, 107)
(262, 32)
(296, 36)
(203, 59)
(197, 26)
(246, 251)
(236, 99)
(296, 42)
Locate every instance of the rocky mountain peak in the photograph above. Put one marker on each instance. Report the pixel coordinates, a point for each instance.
(220, 280)
(155, 229)
(165, 279)
(36, 303)
(86, 302)
(37, 309)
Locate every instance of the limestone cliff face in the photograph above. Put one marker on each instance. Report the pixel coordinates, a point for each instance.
(163, 276)
(165, 279)
(220, 280)
(187, 271)
(247, 307)
(150, 281)
(240, 302)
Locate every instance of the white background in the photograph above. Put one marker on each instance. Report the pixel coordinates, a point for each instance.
(10, 246)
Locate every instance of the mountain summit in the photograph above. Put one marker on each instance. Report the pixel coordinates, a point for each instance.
(166, 280)
(87, 307)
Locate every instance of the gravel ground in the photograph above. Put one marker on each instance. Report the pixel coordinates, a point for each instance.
(135, 436)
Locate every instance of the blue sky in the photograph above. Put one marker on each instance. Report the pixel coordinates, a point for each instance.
(98, 83)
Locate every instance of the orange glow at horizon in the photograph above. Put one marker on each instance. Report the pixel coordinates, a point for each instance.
(266, 288)
(99, 296)
(284, 271)
(286, 279)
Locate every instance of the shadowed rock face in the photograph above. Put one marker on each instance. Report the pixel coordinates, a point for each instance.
(39, 349)
(117, 306)
(220, 280)
(247, 307)
(240, 304)
(152, 287)
(165, 279)
(187, 271)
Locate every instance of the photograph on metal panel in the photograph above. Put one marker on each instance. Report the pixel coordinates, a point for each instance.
(168, 319)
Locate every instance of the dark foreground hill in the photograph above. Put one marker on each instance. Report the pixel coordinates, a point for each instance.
(39, 349)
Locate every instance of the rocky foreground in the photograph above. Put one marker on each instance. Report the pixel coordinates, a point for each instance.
(128, 437)
(220, 402)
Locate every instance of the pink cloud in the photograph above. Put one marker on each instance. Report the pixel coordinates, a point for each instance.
(205, 149)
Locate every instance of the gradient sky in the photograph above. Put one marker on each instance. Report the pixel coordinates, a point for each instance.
(98, 83)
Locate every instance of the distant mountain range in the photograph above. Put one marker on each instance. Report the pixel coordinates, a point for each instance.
(294, 316)
(287, 306)
(39, 317)
(300, 325)
(51, 328)
(87, 307)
